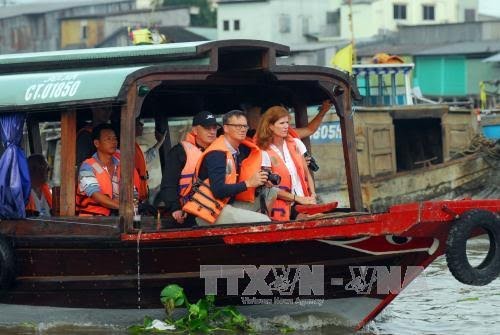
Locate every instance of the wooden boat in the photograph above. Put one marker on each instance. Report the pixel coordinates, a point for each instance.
(107, 262)
(407, 151)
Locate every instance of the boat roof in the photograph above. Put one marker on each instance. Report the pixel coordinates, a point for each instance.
(100, 74)
(360, 69)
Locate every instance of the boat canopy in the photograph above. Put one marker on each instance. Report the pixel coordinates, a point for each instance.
(69, 77)
(384, 84)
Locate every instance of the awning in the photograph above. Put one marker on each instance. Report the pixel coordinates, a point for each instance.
(62, 86)
(493, 59)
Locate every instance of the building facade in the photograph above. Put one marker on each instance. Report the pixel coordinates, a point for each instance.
(289, 22)
(90, 30)
(379, 17)
(29, 28)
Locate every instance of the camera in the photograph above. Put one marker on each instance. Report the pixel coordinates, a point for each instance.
(273, 178)
(312, 162)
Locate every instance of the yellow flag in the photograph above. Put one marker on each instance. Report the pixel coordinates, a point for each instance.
(482, 95)
(343, 58)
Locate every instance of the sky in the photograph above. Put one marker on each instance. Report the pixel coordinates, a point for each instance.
(489, 7)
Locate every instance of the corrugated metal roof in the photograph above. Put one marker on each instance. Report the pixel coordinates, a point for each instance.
(464, 48)
(390, 48)
(494, 58)
(45, 7)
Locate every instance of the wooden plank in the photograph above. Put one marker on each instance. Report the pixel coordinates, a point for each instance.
(68, 161)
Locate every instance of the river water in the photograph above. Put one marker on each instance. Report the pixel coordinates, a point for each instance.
(435, 303)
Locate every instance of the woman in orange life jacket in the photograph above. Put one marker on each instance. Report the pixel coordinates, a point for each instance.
(40, 200)
(286, 153)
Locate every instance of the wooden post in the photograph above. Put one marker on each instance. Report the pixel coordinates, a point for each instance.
(127, 152)
(302, 120)
(349, 147)
(68, 161)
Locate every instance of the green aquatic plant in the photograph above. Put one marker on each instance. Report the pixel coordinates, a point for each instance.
(202, 317)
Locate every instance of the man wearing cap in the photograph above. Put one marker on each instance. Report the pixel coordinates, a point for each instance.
(181, 163)
(229, 178)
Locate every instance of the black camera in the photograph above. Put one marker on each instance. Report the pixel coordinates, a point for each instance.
(273, 178)
(312, 162)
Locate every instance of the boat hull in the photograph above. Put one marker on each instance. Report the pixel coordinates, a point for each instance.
(360, 259)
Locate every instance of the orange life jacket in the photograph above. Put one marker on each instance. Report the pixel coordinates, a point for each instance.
(202, 202)
(140, 172)
(47, 193)
(193, 154)
(86, 205)
(293, 133)
(281, 208)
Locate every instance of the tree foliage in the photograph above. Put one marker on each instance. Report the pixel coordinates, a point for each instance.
(206, 17)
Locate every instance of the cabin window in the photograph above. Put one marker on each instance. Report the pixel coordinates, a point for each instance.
(226, 25)
(428, 13)
(418, 143)
(236, 24)
(399, 12)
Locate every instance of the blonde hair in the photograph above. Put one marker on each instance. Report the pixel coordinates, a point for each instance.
(264, 135)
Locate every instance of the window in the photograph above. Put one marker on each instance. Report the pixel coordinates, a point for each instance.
(470, 15)
(428, 13)
(333, 17)
(84, 32)
(285, 23)
(399, 12)
(226, 25)
(236, 24)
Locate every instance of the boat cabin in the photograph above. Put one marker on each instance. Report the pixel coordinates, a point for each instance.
(399, 130)
(52, 94)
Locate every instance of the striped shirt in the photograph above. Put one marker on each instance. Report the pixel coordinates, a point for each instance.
(88, 181)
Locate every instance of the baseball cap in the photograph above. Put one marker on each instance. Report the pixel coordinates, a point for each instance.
(204, 119)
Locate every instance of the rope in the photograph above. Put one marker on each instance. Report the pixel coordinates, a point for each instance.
(479, 143)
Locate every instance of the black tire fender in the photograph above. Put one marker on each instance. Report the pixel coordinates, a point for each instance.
(456, 248)
(7, 264)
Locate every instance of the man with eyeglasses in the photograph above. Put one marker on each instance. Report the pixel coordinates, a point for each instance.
(181, 162)
(227, 176)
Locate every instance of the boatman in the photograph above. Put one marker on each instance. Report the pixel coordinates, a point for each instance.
(226, 178)
(99, 176)
(181, 163)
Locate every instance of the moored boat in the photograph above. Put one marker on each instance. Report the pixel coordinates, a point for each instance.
(355, 260)
(409, 148)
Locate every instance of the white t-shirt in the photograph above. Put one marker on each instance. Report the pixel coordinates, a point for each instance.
(296, 185)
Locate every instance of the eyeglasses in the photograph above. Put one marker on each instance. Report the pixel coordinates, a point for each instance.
(238, 126)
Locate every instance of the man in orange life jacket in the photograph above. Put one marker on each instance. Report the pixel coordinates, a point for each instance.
(40, 200)
(226, 178)
(99, 176)
(181, 163)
